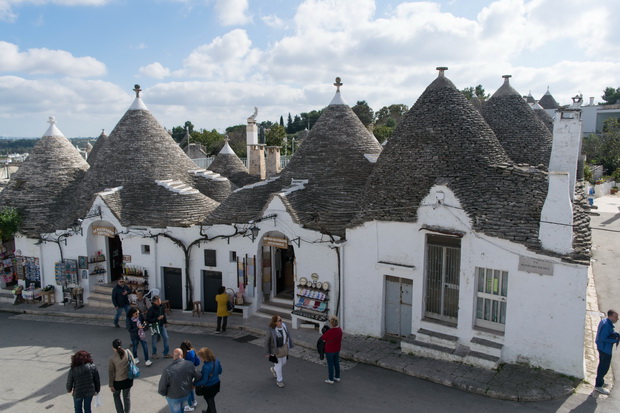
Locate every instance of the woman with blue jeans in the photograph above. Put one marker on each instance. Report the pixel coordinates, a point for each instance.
(333, 341)
(136, 327)
(83, 381)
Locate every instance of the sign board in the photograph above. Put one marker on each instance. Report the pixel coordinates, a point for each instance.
(535, 266)
(275, 242)
(126, 258)
(103, 230)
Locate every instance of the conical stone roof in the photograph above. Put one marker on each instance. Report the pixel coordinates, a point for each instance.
(92, 155)
(443, 139)
(45, 186)
(543, 116)
(522, 134)
(139, 153)
(228, 164)
(323, 183)
(548, 101)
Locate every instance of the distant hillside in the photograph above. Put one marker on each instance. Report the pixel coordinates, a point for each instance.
(21, 145)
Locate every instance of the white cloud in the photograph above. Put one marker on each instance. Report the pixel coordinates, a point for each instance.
(229, 57)
(274, 22)
(47, 62)
(232, 12)
(155, 70)
(74, 103)
(7, 6)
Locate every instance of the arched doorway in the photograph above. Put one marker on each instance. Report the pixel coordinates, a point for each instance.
(278, 267)
(115, 247)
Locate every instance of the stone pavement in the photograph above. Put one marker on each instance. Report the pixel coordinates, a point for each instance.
(509, 382)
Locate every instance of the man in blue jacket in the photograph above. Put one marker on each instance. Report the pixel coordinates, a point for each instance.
(120, 299)
(606, 337)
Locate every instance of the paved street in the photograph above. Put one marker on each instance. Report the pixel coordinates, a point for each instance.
(35, 350)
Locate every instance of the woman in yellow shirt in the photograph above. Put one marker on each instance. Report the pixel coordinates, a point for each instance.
(222, 309)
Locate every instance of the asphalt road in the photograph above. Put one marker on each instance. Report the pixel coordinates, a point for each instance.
(606, 268)
(35, 354)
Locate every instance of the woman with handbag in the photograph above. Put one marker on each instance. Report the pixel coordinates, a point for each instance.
(209, 384)
(222, 300)
(118, 370)
(136, 326)
(278, 342)
(83, 381)
(190, 355)
(332, 338)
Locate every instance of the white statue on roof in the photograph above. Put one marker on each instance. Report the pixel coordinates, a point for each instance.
(252, 119)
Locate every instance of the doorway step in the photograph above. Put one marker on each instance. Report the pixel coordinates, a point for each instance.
(282, 307)
(101, 296)
(427, 343)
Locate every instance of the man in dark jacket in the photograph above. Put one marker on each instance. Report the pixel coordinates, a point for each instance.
(606, 337)
(120, 299)
(177, 380)
(156, 318)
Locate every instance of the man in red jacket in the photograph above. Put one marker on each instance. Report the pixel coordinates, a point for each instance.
(333, 341)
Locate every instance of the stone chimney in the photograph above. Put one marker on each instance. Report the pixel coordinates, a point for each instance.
(256, 151)
(566, 145)
(273, 161)
(556, 218)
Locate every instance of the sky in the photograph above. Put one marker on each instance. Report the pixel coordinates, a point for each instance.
(212, 61)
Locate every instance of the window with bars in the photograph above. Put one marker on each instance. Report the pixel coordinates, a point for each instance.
(443, 263)
(492, 298)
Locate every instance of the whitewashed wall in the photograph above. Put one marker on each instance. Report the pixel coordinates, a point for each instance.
(545, 314)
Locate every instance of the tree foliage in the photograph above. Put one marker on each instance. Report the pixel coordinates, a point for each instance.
(477, 91)
(9, 223)
(364, 113)
(604, 148)
(275, 136)
(178, 132)
(238, 139)
(611, 96)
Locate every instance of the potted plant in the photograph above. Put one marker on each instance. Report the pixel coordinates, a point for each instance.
(613, 190)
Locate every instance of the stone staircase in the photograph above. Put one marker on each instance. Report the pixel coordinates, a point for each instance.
(478, 352)
(279, 306)
(101, 296)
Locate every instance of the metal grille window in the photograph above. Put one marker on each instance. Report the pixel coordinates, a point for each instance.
(210, 260)
(492, 298)
(443, 266)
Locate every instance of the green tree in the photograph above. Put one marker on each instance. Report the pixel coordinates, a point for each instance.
(9, 223)
(389, 115)
(281, 121)
(477, 91)
(604, 149)
(238, 139)
(178, 132)
(275, 136)
(383, 132)
(364, 112)
(611, 96)
(289, 124)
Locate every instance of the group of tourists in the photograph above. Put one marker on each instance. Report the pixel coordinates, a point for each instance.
(179, 383)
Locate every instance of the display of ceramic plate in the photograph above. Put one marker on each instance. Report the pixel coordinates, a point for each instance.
(319, 285)
(325, 285)
(302, 281)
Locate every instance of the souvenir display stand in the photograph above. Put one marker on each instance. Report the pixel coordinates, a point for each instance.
(136, 278)
(8, 276)
(66, 273)
(312, 302)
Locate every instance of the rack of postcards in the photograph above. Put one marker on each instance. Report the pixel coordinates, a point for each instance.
(28, 268)
(312, 299)
(8, 277)
(66, 274)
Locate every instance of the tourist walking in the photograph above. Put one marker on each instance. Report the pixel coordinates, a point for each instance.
(156, 318)
(190, 355)
(142, 302)
(118, 377)
(278, 342)
(606, 337)
(136, 326)
(211, 370)
(177, 380)
(83, 381)
(333, 341)
(222, 309)
(120, 299)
